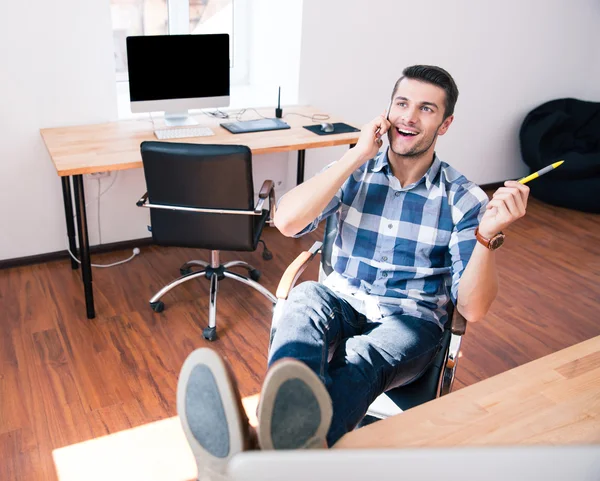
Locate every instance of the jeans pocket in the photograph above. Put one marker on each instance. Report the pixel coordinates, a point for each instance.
(351, 317)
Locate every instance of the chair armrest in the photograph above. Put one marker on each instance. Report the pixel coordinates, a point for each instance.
(266, 191)
(142, 200)
(266, 188)
(459, 323)
(453, 350)
(295, 269)
(450, 364)
(457, 328)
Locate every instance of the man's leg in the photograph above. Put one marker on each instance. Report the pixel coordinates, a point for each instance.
(391, 352)
(315, 319)
(295, 408)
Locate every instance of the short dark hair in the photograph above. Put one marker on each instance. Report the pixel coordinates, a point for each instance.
(436, 76)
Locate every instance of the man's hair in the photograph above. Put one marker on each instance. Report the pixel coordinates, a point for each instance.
(435, 76)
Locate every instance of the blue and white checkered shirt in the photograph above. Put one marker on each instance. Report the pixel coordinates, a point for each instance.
(402, 250)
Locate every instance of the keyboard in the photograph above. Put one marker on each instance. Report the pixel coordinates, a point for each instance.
(182, 133)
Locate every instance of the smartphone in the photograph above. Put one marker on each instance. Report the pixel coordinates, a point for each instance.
(387, 117)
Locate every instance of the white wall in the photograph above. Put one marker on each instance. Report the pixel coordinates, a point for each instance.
(57, 69)
(594, 83)
(506, 57)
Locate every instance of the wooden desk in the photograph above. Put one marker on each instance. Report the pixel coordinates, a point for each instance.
(553, 400)
(113, 146)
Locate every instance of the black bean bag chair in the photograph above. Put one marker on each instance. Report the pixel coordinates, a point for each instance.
(569, 130)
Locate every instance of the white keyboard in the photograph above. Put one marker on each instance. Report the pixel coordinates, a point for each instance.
(182, 133)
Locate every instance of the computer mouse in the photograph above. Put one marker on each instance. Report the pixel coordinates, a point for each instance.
(326, 127)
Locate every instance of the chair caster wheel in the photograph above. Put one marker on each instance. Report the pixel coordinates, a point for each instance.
(255, 275)
(185, 271)
(157, 306)
(209, 333)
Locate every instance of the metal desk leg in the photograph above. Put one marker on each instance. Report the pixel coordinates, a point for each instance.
(300, 171)
(84, 245)
(66, 186)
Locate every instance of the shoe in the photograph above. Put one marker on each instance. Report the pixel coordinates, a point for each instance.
(295, 409)
(211, 412)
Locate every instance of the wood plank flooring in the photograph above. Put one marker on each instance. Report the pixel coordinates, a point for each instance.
(65, 379)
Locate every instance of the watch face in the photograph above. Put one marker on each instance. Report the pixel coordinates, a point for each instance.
(496, 241)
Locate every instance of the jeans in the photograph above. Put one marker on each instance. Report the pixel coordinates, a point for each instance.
(356, 358)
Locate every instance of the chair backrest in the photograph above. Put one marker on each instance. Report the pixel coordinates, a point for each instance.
(201, 176)
(327, 247)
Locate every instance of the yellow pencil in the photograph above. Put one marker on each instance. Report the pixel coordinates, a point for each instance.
(543, 171)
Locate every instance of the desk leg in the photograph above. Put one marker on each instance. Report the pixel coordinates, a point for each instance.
(66, 186)
(84, 245)
(300, 171)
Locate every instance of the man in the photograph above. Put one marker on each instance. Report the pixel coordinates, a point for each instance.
(406, 246)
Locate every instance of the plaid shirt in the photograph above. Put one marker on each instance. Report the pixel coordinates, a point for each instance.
(402, 250)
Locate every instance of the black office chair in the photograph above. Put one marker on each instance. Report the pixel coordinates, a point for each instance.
(203, 196)
(436, 381)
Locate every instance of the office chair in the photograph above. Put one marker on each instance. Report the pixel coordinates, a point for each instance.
(202, 196)
(436, 381)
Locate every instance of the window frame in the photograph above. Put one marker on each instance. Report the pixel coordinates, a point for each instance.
(178, 20)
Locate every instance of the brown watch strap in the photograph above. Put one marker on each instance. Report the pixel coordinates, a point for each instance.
(482, 240)
(492, 244)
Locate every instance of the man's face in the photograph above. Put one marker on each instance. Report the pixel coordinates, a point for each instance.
(417, 117)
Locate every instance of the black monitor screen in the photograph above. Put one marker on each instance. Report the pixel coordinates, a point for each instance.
(163, 67)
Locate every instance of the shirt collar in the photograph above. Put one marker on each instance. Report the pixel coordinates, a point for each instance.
(382, 161)
(431, 174)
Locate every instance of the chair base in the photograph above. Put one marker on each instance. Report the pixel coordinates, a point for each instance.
(215, 272)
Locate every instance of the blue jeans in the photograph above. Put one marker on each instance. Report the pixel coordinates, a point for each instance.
(357, 359)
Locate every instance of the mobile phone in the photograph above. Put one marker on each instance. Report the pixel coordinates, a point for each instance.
(387, 117)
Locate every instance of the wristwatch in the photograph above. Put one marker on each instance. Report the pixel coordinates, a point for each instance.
(491, 244)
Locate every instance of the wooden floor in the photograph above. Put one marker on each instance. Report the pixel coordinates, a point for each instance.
(65, 379)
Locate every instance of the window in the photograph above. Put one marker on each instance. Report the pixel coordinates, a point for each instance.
(161, 17)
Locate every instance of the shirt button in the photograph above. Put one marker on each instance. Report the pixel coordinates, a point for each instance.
(397, 194)
(390, 226)
(384, 274)
(384, 258)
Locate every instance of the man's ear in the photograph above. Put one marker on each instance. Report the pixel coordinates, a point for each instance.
(445, 125)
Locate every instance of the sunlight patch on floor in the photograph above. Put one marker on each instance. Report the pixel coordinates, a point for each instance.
(156, 451)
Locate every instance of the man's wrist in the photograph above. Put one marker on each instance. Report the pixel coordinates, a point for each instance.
(358, 157)
(493, 242)
(486, 234)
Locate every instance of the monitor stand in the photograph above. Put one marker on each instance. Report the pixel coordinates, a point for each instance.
(179, 119)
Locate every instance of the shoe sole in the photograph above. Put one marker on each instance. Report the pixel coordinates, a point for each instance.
(207, 461)
(279, 373)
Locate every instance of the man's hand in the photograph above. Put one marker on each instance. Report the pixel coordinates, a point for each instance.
(508, 204)
(370, 141)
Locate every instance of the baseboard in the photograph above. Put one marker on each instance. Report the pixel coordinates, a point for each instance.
(53, 256)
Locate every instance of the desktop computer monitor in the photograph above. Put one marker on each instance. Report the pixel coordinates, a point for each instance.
(174, 73)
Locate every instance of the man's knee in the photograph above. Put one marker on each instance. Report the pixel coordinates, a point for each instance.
(311, 290)
(310, 303)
